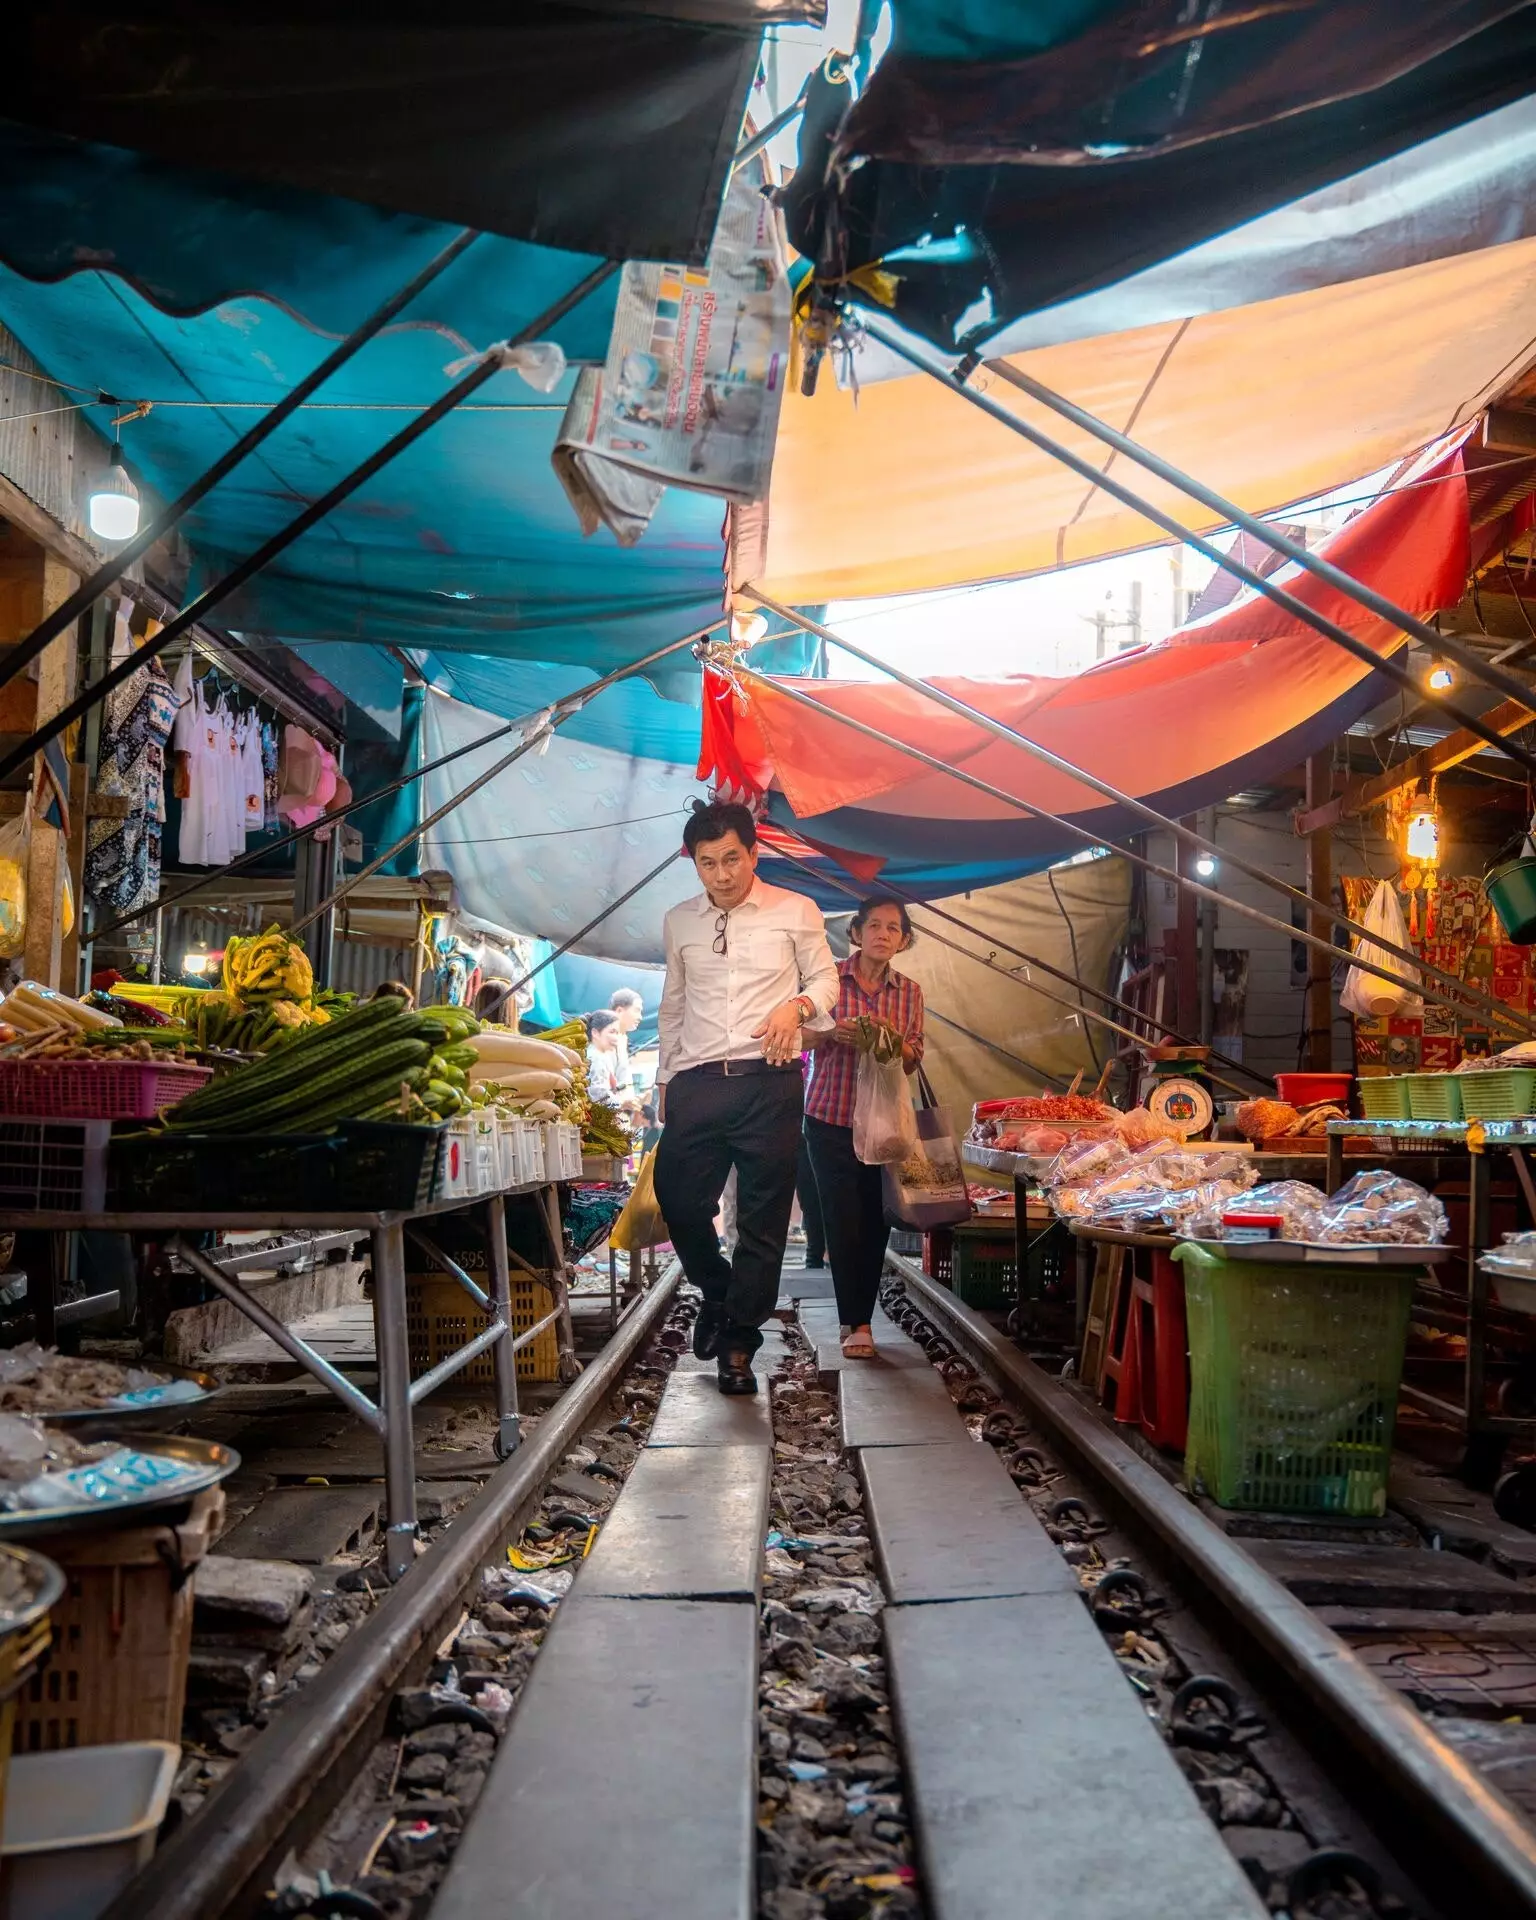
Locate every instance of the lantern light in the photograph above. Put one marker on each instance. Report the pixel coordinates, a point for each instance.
(114, 502)
(1423, 841)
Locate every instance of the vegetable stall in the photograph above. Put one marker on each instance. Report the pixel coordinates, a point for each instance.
(171, 1112)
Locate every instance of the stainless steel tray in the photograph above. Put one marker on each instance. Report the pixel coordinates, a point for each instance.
(1317, 1253)
(45, 1588)
(211, 1461)
(83, 1422)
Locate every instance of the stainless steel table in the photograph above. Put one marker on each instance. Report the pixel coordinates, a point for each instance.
(390, 1415)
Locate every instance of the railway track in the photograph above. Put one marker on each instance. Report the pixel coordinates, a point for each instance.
(829, 1655)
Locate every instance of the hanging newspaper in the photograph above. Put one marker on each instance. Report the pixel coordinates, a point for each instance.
(689, 395)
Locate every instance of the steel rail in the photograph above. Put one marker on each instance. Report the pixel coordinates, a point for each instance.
(16, 658)
(1489, 1853)
(301, 1766)
(1099, 477)
(1323, 910)
(1257, 914)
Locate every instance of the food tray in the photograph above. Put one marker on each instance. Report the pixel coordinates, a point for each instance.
(82, 1421)
(94, 1089)
(1320, 1253)
(46, 1582)
(211, 1460)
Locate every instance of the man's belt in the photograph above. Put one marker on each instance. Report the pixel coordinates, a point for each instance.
(734, 1069)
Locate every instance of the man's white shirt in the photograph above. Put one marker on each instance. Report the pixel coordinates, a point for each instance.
(776, 948)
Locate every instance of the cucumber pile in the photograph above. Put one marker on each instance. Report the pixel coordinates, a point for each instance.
(380, 1062)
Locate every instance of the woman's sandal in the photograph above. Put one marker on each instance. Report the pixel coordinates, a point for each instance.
(859, 1345)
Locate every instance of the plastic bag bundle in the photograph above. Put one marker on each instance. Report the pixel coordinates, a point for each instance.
(1367, 994)
(15, 846)
(884, 1125)
(1379, 1209)
(1296, 1201)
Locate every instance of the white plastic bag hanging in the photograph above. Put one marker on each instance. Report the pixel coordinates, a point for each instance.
(15, 847)
(884, 1126)
(1367, 994)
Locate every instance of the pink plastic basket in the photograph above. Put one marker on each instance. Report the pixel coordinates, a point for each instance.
(94, 1089)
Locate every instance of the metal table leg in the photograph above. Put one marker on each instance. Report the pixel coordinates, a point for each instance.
(613, 1291)
(1335, 1172)
(1484, 1449)
(508, 1424)
(548, 1203)
(395, 1398)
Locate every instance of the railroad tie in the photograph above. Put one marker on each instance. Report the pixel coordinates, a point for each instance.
(1037, 1784)
(627, 1784)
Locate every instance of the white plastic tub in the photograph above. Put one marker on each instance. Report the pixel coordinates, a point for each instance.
(79, 1824)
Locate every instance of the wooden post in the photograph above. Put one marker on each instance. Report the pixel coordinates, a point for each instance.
(43, 956)
(1320, 885)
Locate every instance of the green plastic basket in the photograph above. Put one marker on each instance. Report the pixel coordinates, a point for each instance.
(985, 1270)
(1384, 1096)
(1498, 1093)
(1434, 1096)
(1294, 1372)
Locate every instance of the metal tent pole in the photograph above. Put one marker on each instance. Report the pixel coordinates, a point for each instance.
(1196, 887)
(20, 656)
(560, 711)
(487, 369)
(354, 805)
(981, 960)
(1187, 835)
(1488, 671)
(1230, 563)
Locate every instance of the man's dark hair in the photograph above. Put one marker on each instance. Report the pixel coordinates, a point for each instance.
(626, 997)
(715, 821)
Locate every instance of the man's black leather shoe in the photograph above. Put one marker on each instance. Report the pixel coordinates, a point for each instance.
(736, 1375)
(709, 1329)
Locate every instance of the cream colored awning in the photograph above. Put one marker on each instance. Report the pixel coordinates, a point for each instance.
(906, 487)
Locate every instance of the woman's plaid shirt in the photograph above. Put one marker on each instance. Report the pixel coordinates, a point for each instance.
(835, 1070)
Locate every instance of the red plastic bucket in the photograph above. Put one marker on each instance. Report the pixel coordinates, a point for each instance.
(1312, 1089)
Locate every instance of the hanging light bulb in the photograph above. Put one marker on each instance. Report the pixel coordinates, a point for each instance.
(1205, 866)
(1441, 679)
(1423, 841)
(748, 628)
(114, 502)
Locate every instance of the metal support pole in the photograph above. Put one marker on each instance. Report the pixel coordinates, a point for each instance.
(1363, 595)
(452, 1269)
(1201, 891)
(508, 1421)
(162, 523)
(547, 1203)
(1105, 481)
(221, 589)
(394, 1399)
(278, 1331)
(1479, 1467)
(1183, 831)
(1319, 1049)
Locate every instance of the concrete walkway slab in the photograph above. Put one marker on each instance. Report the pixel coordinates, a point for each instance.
(884, 1404)
(695, 1413)
(948, 1524)
(689, 1525)
(1038, 1785)
(626, 1787)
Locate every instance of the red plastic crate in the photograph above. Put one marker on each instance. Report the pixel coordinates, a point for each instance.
(94, 1089)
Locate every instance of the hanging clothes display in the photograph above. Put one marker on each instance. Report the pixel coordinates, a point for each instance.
(223, 778)
(122, 858)
(270, 787)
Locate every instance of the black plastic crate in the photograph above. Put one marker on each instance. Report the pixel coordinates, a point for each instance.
(382, 1164)
(48, 1164)
(218, 1172)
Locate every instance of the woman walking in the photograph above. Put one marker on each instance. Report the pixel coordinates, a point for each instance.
(852, 1199)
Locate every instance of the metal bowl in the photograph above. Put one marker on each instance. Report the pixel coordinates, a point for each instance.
(85, 1422)
(209, 1460)
(45, 1583)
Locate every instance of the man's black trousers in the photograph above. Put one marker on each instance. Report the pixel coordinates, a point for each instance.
(749, 1121)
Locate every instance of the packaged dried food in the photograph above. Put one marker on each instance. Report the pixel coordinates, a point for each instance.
(1261, 1120)
(1140, 1128)
(1296, 1202)
(1083, 1160)
(1377, 1208)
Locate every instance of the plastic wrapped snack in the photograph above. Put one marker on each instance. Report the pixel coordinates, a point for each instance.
(1261, 1120)
(1379, 1209)
(1296, 1202)
(1191, 1211)
(1139, 1128)
(1083, 1160)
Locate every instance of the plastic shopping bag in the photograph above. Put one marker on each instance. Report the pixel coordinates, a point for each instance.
(640, 1224)
(884, 1125)
(1367, 994)
(15, 846)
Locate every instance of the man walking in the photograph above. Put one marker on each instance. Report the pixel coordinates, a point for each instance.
(628, 1009)
(747, 967)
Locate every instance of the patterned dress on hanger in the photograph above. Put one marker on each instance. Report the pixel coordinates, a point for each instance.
(122, 858)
